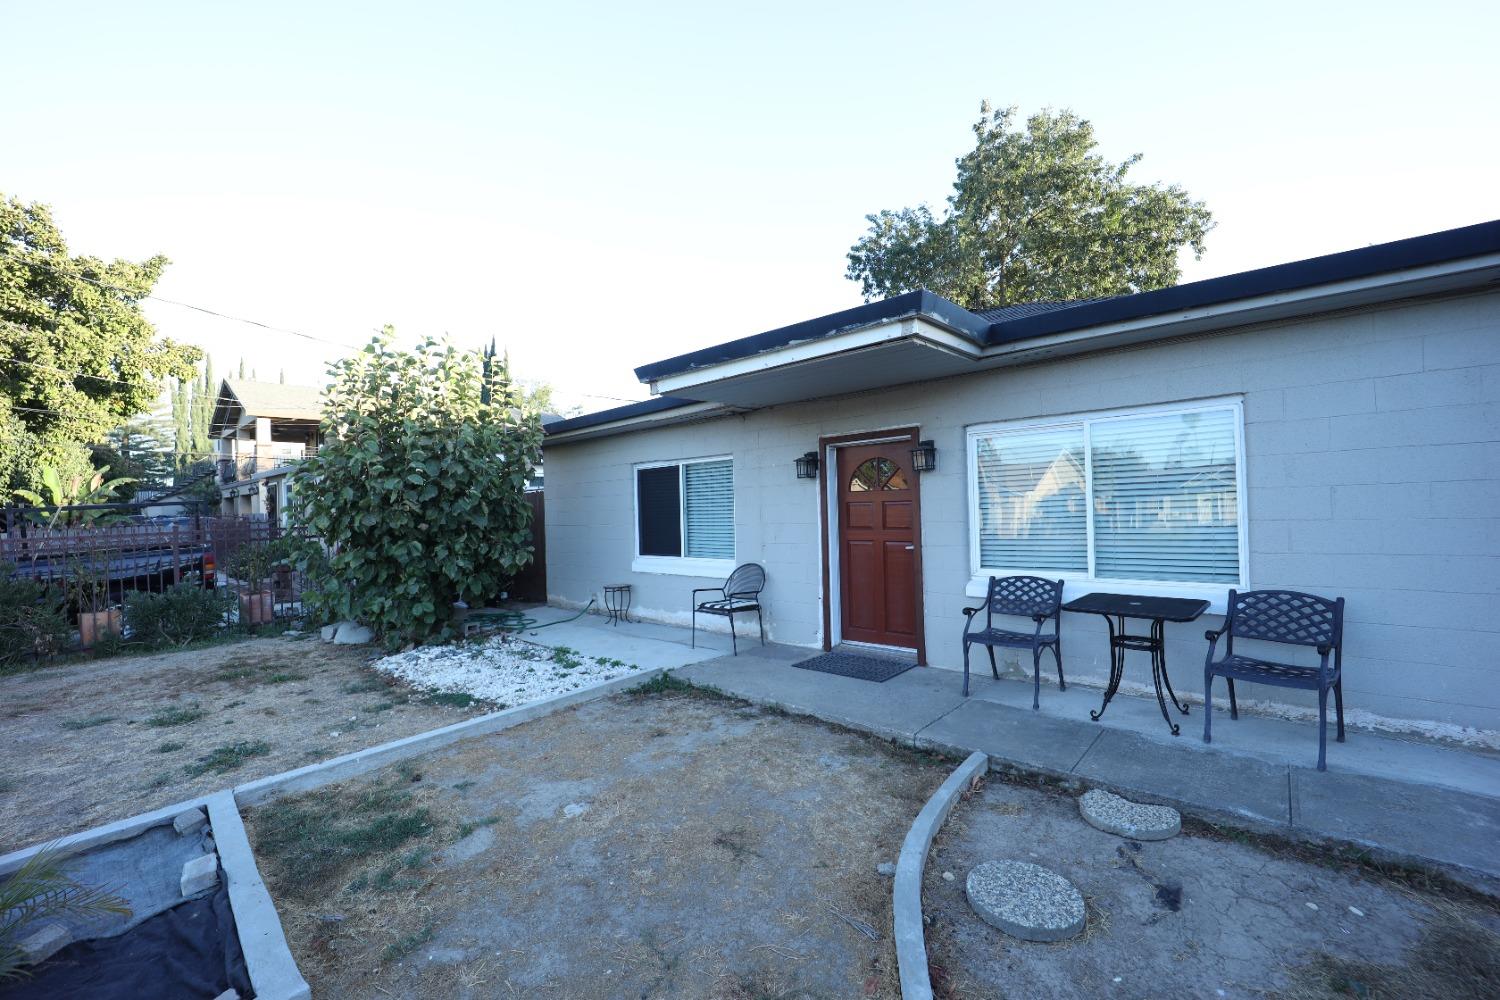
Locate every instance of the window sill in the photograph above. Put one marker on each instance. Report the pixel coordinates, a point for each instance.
(708, 569)
(1216, 594)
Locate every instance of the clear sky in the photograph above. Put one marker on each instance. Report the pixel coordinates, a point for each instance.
(600, 185)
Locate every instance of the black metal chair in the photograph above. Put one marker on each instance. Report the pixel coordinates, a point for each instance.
(1028, 597)
(1285, 616)
(739, 595)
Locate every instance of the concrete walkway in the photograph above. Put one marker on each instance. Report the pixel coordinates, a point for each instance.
(1403, 798)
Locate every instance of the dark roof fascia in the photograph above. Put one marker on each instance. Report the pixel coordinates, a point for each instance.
(1349, 265)
(645, 407)
(921, 303)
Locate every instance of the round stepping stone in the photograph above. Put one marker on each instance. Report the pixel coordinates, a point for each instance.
(1026, 901)
(1112, 814)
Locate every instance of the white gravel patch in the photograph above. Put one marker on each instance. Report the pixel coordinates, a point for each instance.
(503, 670)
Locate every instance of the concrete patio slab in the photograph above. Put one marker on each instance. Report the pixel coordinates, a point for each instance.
(1276, 741)
(896, 709)
(642, 643)
(1399, 818)
(1233, 786)
(1415, 801)
(1012, 736)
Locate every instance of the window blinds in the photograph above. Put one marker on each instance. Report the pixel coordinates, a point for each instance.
(1157, 497)
(1165, 498)
(1032, 500)
(708, 491)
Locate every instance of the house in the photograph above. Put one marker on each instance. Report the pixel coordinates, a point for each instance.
(1330, 425)
(261, 431)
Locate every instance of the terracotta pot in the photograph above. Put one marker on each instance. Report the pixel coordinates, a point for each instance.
(95, 625)
(256, 609)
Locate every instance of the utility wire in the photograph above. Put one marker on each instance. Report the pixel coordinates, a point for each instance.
(222, 315)
(25, 258)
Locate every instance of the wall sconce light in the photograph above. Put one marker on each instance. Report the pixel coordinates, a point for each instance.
(807, 466)
(924, 456)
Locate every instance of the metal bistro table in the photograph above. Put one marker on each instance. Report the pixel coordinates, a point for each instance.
(1116, 609)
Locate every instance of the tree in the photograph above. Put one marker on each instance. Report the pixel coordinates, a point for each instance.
(537, 392)
(417, 494)
(1035, 216)
(141, 449)
(77, 355)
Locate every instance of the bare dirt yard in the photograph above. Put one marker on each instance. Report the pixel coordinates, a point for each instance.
(1199, 915)
(661, 844)
(94, 742)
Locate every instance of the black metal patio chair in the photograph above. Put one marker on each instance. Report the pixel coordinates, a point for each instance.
(1027, 597)
(1284, 616)
(739, 595)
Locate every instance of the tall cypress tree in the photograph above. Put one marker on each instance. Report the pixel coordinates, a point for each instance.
(203, 412)
(181, 424)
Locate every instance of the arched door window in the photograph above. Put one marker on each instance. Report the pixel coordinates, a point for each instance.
(877, 474)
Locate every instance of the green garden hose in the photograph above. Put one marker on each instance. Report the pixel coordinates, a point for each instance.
(516, 621)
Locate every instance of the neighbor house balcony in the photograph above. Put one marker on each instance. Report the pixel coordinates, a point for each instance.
(237, 468)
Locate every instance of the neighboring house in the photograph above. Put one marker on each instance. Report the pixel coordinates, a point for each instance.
(1330, 425)
(262, 430)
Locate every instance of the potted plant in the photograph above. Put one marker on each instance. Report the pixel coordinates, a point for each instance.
(250, 567)
(88, 591)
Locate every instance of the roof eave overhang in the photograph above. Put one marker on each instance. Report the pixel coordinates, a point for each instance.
(919, 330)
(935, 310)
(767, 378)
(665, 418)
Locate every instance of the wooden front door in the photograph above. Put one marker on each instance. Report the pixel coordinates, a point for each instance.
(877, 544)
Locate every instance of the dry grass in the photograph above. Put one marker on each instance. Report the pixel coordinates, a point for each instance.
(97, 741)
(1456, 958)
(745, 843)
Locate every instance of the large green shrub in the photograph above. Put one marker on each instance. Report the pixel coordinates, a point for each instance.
(33, 621)
(176, 616)
(417, 492)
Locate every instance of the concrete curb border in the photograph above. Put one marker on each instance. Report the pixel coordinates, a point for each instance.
(273, 969)
(360, 762)
(911, 941)
(98, 836)
(268, 957)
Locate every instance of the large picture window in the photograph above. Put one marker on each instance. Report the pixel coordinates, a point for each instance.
(685, 511)
(1150, 495)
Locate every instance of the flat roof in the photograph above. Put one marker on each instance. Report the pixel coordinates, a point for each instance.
(1032, 320)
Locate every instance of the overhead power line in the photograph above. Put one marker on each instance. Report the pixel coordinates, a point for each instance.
(23, 258)
(27, 259)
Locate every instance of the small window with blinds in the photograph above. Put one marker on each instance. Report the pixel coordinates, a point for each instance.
(685, 509)
(1149, 495)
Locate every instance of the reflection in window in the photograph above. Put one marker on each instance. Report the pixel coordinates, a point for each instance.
(877, 474)
(1139, 496)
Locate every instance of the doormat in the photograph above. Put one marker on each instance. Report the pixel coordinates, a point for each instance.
(866, 668)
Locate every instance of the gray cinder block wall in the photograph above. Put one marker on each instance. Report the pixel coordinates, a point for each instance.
(1372, 442)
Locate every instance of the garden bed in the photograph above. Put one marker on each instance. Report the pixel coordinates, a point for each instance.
(640, 845)
(98, 741)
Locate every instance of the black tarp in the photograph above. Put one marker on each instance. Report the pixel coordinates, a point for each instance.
(189, 951)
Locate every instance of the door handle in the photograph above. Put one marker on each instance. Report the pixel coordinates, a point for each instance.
(910, 548)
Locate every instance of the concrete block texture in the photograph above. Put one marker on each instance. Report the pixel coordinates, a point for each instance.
(200, 874)
(1372, 470)
(188, 821)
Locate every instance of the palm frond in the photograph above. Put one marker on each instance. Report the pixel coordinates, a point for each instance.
(42, 888)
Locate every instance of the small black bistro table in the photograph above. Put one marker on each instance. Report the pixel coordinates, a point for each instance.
(1116, 609)
(617, 602)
